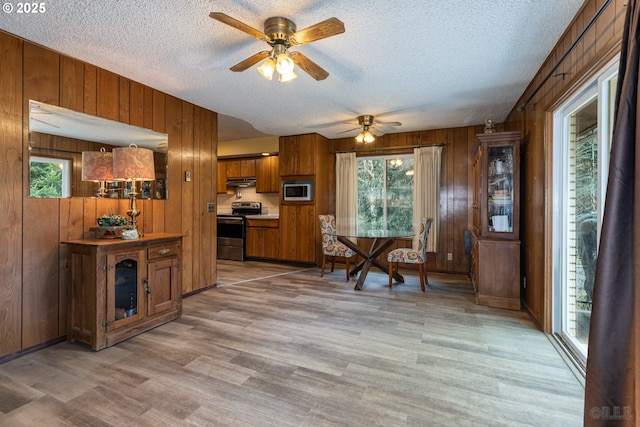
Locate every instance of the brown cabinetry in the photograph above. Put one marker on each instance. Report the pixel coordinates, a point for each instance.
(222, 177)
(262, 238)
(298, 224)
(267, 175)
(495, 249)
(265, 170)
(242, 168)
(495, 272)
(308, 158)
(120, 288)
(298, 155)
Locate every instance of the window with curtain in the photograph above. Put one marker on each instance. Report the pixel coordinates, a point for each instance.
(385, 192)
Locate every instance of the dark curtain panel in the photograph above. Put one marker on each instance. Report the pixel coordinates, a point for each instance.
(611, 383)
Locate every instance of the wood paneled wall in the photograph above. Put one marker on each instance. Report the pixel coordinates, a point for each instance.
(599, 44)
(34, 285)
(455, 189)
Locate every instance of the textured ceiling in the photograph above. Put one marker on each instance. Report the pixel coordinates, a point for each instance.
(425, 63)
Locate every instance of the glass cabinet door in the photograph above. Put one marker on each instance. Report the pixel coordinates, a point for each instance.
(500, 189)
(126, 289)
(125, 294)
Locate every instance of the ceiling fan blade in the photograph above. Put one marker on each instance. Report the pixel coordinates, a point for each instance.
(253, 59)
(350, 130)
(321, 30)
(226, 19)
(313, 69)
(388, 123)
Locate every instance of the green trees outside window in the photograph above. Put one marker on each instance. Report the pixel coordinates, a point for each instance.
(385, 193)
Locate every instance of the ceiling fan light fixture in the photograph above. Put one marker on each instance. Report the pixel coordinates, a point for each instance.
(360, 137)
(284, 63)
(368, 137)
(267, 68)
(287, 77)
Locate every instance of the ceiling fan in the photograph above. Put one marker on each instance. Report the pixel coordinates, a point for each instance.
(281, 34)
(365, 122)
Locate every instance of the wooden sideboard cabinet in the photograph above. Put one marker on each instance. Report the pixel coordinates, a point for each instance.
(495, 248)
(120, 288)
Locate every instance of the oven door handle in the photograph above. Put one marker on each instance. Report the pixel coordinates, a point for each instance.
(230, 220)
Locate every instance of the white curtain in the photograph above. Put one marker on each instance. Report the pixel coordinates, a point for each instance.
(426, 192)
(346, 193)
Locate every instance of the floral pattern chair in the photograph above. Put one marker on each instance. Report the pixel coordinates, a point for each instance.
(330, 244)
(413, 255)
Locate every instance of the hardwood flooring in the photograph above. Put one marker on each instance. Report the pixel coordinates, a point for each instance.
(277, 345)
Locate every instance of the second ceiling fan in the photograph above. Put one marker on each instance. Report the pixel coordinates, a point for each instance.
(365, 123)
(281, 34)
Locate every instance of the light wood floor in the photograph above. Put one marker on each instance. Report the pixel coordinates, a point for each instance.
(279, 346)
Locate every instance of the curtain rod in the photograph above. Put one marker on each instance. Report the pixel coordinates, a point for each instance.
(404, 147)
(555, 67)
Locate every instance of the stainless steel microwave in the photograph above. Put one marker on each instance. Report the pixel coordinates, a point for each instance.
(297, 190)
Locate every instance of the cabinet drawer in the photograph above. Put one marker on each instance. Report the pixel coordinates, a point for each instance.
(163, 251)
(268, 223)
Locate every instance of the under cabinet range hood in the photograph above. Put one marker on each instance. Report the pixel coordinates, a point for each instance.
(241, 182)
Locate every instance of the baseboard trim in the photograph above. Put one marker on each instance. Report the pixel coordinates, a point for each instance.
(8, 357)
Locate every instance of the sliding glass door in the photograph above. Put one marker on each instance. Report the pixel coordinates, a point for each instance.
(581, 145)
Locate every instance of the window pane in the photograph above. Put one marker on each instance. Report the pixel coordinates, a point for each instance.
(45, 179)
(399, 194)
(385, 193)
(582, 220)
(370, 194)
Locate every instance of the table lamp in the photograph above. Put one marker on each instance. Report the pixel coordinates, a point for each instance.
(97, 166)
(132, 164)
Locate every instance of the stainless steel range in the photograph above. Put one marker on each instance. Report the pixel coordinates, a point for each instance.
(232, 230)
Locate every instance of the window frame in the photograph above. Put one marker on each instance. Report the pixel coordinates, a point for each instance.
(596, 86)
(65, 164)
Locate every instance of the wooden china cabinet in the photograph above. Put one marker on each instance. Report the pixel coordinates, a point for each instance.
(120, 288)
(495, 245)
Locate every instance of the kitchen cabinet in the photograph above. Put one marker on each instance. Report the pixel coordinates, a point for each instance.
(222, 176)
(262, 239)
(305, 157)
(267, 174)
(120, 288)
(298, 155)
(495, 249)
(241, 168)
(298, 229)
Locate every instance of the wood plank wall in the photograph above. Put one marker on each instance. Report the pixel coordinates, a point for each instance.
(32, 295)
(34, 272)
(455, 193)
(599, 43)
